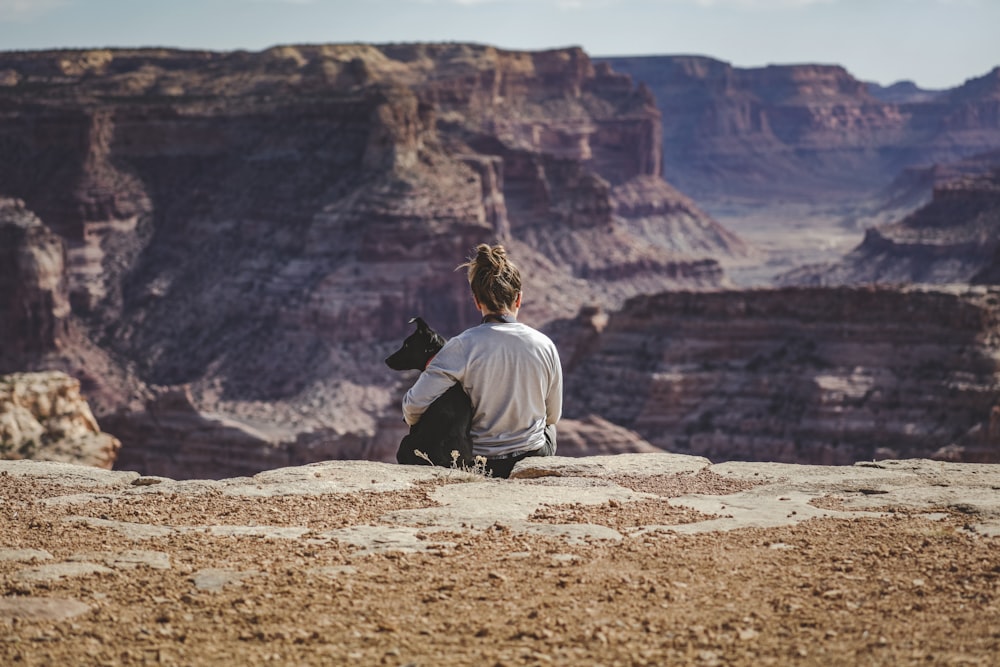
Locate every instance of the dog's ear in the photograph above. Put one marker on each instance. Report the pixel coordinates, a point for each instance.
(419, 321)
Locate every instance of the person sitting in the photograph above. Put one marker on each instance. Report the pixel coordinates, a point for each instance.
(510, 371)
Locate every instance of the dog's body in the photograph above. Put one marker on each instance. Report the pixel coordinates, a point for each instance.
(444, 427)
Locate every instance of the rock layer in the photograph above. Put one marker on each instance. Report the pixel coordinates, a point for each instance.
(44, 417)
(800, 375)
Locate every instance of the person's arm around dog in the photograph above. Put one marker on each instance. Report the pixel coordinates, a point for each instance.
(445, 369)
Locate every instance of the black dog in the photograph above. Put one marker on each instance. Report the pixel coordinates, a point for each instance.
(444, 427)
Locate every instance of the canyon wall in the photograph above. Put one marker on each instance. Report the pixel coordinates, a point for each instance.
(955, 238)
(232, 242)
(806, 375)
(804, 132)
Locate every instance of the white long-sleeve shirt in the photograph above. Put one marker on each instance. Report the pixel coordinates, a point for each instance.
(513, 377)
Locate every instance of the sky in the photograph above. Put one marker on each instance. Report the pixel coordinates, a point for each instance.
(935, 43)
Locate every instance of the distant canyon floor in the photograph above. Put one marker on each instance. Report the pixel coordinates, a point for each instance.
(625, 560)
(785, 236)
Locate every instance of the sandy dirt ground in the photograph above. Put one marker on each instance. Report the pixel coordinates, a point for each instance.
(898, 590)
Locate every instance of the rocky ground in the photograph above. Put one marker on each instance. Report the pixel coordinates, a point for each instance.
(645, 559)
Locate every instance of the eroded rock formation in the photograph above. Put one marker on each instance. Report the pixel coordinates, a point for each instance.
(826, 376)
(34, 302)
(44, 417)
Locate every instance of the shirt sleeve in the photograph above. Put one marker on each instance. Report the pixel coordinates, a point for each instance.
(445, 369)
(553, 399)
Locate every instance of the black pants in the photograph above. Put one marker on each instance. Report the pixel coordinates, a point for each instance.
(503, 467)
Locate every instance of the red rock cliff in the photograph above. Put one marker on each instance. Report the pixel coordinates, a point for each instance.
(829, 376)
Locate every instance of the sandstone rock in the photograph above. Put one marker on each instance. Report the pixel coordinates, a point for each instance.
(375, 539)
(24, 555)
(126, 560)
(215, 579)
(130, 530)
(43, 416)
(41, 609)
(34, 300)
(58, 571)
(602, 466)
(70, 475)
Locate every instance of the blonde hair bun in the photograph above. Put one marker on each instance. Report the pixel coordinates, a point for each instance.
(494, 279)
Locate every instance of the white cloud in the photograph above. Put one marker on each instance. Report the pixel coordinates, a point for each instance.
(14, 11)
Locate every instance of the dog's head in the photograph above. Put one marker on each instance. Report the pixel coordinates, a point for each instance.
(417, 349)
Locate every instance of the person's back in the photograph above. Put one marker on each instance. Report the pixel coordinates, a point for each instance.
(511, 372)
